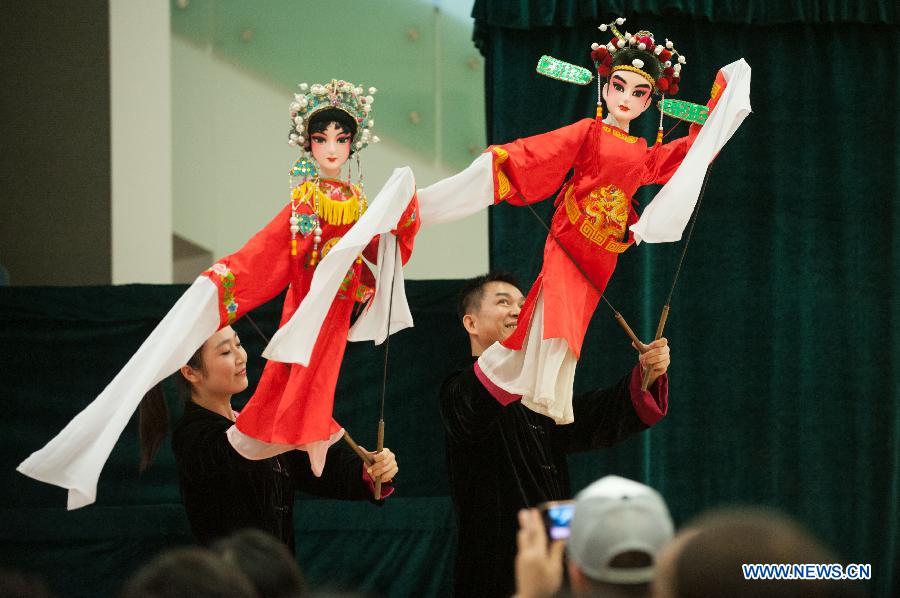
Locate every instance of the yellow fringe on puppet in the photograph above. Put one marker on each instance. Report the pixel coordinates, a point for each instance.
(334, 212)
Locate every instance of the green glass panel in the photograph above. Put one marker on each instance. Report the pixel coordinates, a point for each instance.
(194, 20)
(290, 42)
(461, 89)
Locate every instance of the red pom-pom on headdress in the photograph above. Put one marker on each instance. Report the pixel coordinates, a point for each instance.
(646, 40)
(600, 54)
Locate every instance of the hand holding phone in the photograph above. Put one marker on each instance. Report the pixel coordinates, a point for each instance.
(539, 562)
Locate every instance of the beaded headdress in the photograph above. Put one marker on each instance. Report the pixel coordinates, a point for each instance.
(668, 60)
(342, 95)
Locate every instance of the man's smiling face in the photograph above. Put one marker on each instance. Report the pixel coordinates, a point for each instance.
(497, 315)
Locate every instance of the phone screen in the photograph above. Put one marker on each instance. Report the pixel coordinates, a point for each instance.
(557, 517)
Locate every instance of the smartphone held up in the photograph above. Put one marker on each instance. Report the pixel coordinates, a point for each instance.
(557, 517)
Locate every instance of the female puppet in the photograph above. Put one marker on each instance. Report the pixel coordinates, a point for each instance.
(292, 405)
(593, 217)
(593, 213)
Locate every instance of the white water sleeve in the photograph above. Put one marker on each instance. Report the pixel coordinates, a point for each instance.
(372, 325)
(460, 195)
(665, 217)
(74, 458)
(254, 450)
(294, 342)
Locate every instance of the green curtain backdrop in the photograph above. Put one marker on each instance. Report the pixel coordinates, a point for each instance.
(532, 14)
(784, 327)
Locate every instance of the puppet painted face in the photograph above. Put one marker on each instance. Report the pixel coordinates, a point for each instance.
(331, 148)
(627, 95)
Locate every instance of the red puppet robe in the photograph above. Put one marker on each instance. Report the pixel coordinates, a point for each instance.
(292, 405)
(594, 209)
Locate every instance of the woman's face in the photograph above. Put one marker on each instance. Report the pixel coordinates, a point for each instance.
(331, 148)
(224, 370)
(627, 95)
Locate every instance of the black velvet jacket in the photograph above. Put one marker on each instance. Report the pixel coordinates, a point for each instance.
(224, 492)
(502, 459)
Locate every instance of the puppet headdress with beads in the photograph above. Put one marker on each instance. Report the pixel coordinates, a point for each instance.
(338, 94)
(659, 64)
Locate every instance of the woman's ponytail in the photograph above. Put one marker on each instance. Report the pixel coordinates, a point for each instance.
(153, 413)
(153, 424)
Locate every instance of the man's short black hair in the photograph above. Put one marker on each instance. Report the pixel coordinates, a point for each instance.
(472, 292)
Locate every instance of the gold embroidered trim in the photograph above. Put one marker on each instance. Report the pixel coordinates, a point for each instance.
(620, 134)
(503, 186)
(610, 197)
(608, 206)
(572, 210)
(598, 237)
(634, 69)
(328, 245)
(714, 92)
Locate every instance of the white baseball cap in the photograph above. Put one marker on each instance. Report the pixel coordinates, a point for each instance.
(616, 515)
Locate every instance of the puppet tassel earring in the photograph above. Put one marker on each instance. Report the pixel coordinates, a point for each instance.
(317, 238)
(317, 231)
(659, 132)
(363, 203)
(350, 173)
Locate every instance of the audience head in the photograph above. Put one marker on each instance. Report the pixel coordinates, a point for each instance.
(188, 573)
(22, 585)
(618, 528)
(706, 558)
(266, 562)
(489, 308)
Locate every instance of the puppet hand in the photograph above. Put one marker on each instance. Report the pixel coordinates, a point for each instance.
(656, 358)
(385, 465)
(538, 571)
